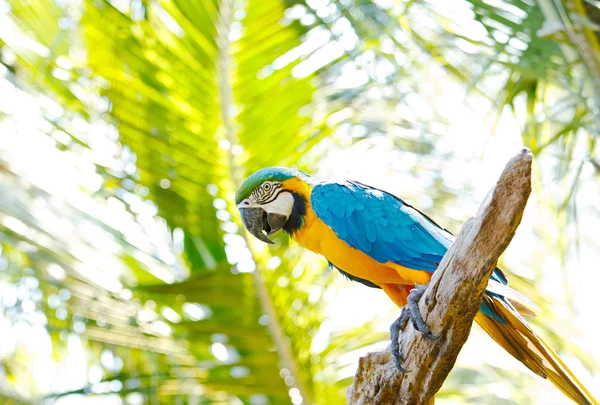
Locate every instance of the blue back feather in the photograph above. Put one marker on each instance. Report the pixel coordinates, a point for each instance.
(380, 224)
(385, 227)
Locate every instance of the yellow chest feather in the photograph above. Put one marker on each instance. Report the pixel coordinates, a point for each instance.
(316, 236)
(319, 238)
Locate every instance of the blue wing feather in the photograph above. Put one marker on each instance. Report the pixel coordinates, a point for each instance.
(380, 225)
(385, 227)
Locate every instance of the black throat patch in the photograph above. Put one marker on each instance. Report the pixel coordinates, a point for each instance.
(296, 219)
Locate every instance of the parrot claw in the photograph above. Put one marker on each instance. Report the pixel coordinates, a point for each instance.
(398, 361)
(410, 311)
(415, 315)
(395, 329)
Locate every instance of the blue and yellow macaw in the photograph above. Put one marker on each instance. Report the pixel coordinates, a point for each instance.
(377, 239)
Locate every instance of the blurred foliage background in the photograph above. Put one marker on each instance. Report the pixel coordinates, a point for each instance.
(126, 126)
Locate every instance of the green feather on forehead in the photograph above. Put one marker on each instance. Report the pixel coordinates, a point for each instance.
(268, 174)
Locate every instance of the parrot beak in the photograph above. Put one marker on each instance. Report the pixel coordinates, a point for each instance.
(275, 222)
(255, 221)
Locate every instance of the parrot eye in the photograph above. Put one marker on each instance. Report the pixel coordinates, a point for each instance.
(267, 191)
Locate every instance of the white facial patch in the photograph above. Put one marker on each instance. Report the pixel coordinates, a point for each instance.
(247, 203)
(283, 205)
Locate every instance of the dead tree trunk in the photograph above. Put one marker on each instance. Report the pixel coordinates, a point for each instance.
(451, 300)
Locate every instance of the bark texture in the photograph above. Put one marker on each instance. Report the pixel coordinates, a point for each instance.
(451, 300)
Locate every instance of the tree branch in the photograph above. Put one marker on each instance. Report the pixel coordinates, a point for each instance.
(451, 300)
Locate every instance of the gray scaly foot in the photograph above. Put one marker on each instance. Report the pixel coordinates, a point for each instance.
(415, 315)
(410, 311)
(395, 329)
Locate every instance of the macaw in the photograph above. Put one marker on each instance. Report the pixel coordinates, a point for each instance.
(377, 239)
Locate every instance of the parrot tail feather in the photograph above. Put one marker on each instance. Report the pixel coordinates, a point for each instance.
(522, 309)
(517, 338)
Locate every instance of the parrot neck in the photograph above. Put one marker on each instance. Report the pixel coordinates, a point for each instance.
(300, 189)
(296, 219)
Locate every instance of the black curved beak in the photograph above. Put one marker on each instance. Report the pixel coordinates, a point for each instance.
(256, 220)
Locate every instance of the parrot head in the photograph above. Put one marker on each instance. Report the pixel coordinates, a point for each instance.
(270, 200)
